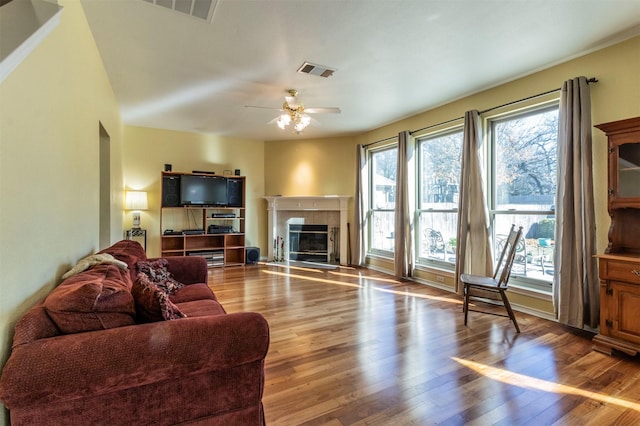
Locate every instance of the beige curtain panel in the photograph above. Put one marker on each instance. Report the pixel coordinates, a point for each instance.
(473, 251)
(403, 247)
(575, 290)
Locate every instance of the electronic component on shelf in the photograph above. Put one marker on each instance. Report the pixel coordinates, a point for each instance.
(223, 215)
(219, 229)
(193, 231)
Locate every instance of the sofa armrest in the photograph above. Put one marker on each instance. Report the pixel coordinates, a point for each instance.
(70, 366)
(188, 269)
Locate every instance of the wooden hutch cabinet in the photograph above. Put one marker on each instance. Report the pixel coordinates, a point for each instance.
(619, 267)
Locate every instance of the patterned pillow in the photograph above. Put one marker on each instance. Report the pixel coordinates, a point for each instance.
(156, 271)
(152, 302)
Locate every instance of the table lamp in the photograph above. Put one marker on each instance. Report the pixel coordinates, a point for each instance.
(136, 201)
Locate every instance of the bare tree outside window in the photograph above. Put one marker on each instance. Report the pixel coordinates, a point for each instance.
(524, 164)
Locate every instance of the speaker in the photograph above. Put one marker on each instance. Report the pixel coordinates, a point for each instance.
(170, 191)
(253, 255)
(234, 192)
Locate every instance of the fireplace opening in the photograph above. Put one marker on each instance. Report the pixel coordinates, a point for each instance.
(309, 243)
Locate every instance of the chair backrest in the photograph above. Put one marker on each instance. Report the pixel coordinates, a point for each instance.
(505, 262)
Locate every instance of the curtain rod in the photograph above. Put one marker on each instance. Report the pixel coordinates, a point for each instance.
(381, 140)
(590, 80)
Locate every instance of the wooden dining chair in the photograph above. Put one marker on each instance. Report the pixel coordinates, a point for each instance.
(497, 284)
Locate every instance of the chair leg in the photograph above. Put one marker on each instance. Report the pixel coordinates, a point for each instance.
(507, 306)
(465, 305)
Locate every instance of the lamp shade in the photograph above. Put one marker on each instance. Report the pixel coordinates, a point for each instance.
(136, 200)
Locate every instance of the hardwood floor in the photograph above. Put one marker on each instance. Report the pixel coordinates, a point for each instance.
(355, 347)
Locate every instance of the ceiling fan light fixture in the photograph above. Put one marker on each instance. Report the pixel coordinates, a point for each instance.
(301, 122)
(283, 121)
(294, 113)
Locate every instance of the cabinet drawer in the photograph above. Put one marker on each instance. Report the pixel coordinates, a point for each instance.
(620, 271)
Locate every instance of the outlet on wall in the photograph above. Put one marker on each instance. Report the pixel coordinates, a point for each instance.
(440, 278)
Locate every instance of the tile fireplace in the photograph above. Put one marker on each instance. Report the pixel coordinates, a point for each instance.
(298, 212)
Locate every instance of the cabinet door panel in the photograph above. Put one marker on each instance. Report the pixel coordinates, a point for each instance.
(627, 301)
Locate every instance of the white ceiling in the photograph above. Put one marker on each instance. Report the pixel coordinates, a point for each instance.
(393, 58)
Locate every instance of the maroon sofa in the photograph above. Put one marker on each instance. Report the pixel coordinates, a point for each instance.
(83, 355)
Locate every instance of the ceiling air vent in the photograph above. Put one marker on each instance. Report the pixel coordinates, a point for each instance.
(202, 9)
(315, 69)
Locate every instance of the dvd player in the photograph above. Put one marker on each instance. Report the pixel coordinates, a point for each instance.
(220, 229)
(192, 231)
(223, 215)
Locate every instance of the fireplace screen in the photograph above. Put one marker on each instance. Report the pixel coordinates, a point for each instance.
(309, 243)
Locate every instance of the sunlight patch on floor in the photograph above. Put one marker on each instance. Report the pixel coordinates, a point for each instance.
(528, 382)
(358, 276)
(380, 289)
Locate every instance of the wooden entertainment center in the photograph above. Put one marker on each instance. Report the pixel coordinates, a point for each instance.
(619, 267)
(214, 231)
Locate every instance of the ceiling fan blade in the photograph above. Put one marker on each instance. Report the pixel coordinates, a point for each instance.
(263, 107)
(323, 110)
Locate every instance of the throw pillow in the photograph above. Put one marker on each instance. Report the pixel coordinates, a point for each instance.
(156, 271)
(127, 251)
(96, 299)
(152, 302)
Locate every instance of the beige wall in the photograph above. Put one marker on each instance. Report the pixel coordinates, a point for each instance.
(147, 150)
(310, 167)
(50, 110)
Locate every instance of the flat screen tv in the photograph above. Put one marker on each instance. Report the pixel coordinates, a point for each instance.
(203, 190)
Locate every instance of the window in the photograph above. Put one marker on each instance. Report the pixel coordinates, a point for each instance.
(383, 165)
(523, 163)
(439, 160)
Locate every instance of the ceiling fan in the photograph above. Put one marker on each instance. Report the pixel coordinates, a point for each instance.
(294, 112)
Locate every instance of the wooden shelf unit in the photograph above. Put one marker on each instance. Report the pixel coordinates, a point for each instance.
(222, 241)
(619, 267)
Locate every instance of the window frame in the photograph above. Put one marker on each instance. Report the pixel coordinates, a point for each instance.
(489, 153)
(421, 261)
(371, 208)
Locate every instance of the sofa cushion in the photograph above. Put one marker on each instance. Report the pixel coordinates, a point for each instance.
(156, 271)
(201, 308)
(152, 301)
(192, 292)
(96, 299)
(128, 251)
(34, 325)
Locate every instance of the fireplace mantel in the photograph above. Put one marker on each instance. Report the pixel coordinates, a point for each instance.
(277, 205)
